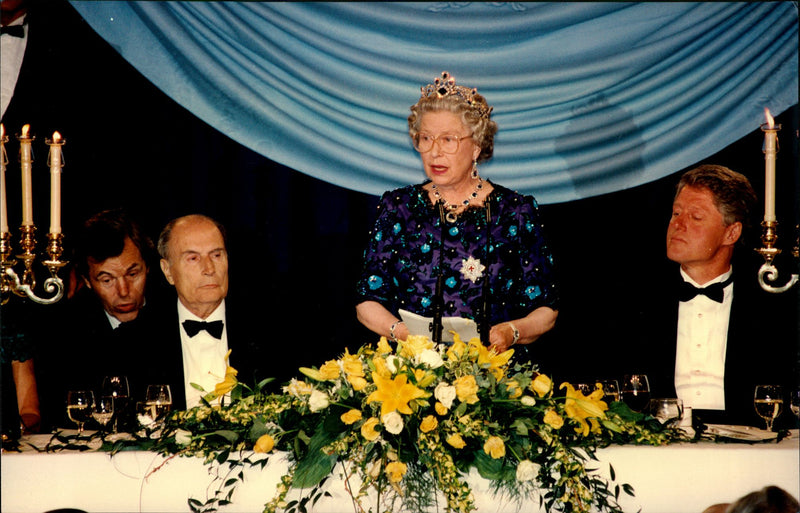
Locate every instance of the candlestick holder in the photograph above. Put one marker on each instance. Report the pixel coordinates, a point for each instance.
(768, 251)
(24, 285)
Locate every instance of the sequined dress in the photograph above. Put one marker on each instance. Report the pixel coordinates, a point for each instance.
(409, 246)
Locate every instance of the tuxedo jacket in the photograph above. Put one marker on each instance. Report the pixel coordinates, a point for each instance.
(761, 348)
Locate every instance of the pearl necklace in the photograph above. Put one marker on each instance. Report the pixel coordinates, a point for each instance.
(451, 214)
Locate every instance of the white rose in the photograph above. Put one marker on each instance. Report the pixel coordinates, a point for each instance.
(431, 358)
(318, 401)
(393, 422)
(393, 363)
(183, 437)
(527, 470)
(527, 400)
(445, 394)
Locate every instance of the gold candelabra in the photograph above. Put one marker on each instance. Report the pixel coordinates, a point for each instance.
(23, 283)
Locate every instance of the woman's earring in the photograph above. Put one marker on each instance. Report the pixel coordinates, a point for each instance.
(474, 170)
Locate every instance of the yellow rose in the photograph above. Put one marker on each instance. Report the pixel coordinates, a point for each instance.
(440, 408)
(553, 419)
(415, 345)
(495, 447)
(349, 417)
(428, 424)
(467, 389)
(383, 346)
(329, 370)
(456, 441)
(368, 429)
(396, 470)
(541, 385)
(352, 365)
(357, 382)
(265, 443)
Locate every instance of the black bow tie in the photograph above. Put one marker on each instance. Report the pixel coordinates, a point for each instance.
(13, 30)
(714, 291)
(214, 328)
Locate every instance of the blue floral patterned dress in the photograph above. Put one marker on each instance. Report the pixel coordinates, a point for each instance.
(409, 246)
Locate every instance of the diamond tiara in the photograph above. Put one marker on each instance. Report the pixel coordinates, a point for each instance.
(446, 86)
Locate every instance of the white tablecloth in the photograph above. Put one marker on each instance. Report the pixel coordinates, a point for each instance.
(671, 479)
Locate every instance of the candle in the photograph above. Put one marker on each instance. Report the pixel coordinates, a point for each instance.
(3, 162)
(26, 160)
(770, 150)
(55, 159)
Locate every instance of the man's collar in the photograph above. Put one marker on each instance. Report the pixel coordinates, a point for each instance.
(217, 315)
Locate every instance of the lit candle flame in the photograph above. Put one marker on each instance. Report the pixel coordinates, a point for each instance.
(770, 119)
(56, 137)
(25, 129)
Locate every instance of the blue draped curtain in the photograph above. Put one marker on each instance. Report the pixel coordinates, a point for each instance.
(590, 98)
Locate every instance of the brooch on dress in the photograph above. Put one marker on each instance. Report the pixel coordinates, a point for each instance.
(472, 268)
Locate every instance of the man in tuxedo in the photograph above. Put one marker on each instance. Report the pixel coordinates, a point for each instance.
(194, 259)
(711, 333)
(106, 316)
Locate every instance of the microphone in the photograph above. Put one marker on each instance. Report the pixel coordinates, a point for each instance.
(438, 298)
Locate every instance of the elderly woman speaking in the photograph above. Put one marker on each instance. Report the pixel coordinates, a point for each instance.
(457, 245)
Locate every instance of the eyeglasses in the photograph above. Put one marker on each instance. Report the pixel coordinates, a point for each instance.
(448, 143)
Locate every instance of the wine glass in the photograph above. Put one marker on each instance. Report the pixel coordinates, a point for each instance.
(768, 401)
(103, 410)
(158, 400)
(610, 390)
(116, 387)
(667, 410)
(79, 407)
(636, 391)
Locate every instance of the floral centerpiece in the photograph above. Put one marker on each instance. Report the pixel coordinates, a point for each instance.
(408, 423)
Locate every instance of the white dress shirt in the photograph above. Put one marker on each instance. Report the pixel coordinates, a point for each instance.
(203, 355)
(12, 51)
(701, 344)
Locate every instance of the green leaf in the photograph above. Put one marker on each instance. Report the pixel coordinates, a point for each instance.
(312, 468)
(488, 467)
(227, 434)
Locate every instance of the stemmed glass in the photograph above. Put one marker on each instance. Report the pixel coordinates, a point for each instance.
(794, 404)
(79, 407)
(103, 410)
(158, 400)
(610, 390)
(116, 387)
(636, 391)
(768, 401)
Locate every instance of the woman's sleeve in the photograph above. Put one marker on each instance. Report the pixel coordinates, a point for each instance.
(376, 282)
(538, 273)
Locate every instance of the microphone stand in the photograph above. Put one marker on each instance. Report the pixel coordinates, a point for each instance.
(438, 299)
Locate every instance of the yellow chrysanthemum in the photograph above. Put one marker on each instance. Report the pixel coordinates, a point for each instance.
(414, 345)
(440, 408)
(351, 416)
(394, 394)
(329, 370)
(553, 419)
(495, 447)
(396, 470)
(456, 441)
(579, 407)
(368, 429)
(542, 385)
(264, 444)
(467, 389)
(428, 424)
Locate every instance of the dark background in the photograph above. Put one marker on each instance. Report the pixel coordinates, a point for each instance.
(295, 241)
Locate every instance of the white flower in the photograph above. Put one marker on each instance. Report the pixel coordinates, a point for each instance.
(445, 394)
(393, 422)
(431, 358)
(527, 400)
(183, 437)
(318, 401)
(472, 269)
(393, 363)
(527, 470)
